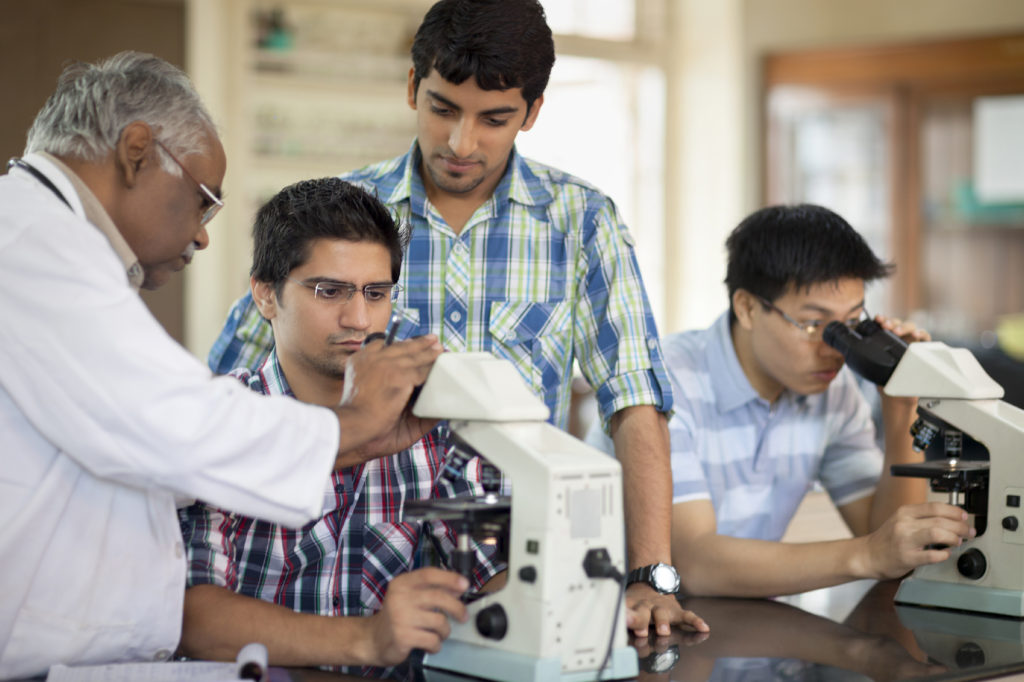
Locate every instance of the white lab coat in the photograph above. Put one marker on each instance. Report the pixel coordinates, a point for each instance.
(104, 421)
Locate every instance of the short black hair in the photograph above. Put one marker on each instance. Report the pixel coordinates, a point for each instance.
(501, 43)
(796, 246)
(324, 208)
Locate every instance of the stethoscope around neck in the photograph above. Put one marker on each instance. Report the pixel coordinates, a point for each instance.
(29, 168)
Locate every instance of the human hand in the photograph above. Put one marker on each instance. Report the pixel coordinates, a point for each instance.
(901, 543)
(379, 380)
(901, 408)
(908, 331)
(644, 606)
(415, 615)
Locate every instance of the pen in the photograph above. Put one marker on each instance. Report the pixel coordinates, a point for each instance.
(389, 334)
(393, 324)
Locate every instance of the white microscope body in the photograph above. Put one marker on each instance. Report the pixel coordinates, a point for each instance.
(554, 622)
(985, 574)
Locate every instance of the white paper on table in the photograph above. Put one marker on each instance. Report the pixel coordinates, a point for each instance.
(191, 671)
(187, 671)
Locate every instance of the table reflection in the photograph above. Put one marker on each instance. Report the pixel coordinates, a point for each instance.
(847, 633)
(872, 639)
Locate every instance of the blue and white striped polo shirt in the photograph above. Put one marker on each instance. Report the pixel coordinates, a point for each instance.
(754, 460)
(757, 460)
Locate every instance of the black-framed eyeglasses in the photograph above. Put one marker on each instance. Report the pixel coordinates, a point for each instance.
(814, 328)
(216, 203)
(342, 292)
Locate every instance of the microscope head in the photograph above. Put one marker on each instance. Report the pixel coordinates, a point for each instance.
(869, 349)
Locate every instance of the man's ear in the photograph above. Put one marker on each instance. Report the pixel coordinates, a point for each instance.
(743, 305)
(135, 148)
(265, 297)
(411, 94)
(531, 117)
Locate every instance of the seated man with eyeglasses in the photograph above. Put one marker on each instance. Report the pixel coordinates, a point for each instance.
(340, 590)
(765, 409)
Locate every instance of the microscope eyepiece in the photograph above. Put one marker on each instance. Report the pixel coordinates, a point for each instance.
(870, 350)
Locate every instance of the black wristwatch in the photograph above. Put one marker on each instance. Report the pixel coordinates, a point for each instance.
(662, 577)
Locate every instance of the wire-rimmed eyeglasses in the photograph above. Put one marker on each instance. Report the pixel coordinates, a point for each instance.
(330, 291)
(814, 328)
(215, 202)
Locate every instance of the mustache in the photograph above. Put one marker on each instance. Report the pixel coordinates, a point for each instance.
(189, 251)
(343, 337)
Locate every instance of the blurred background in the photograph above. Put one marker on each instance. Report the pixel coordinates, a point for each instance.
(905, 116)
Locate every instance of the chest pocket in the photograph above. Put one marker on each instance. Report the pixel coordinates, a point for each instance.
(389, 549)
(537, 339)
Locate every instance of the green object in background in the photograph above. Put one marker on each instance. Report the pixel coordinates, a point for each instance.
(278, 36)
(972, 210)
(1010, 332)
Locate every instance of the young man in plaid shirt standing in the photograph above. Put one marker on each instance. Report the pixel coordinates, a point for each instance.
(340, 590)
(512, 257)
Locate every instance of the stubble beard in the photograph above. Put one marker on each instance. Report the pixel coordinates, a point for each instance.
(453, 184)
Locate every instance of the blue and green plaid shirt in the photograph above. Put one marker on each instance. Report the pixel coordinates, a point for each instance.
(543, 274)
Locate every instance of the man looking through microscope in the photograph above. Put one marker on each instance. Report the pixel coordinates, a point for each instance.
(765, 409)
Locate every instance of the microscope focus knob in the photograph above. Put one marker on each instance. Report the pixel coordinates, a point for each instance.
(972, 564)
(492, 622)
(970, 655)
(1010, 522)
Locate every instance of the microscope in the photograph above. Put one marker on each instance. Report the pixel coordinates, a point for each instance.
(560, 615)
(956, 397)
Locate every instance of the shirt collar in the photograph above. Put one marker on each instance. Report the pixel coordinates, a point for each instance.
(90, 207)
(274, 381)
(732, 388)
(519, 183)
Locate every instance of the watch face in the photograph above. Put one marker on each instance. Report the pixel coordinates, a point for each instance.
(665, 579)
(661, 662)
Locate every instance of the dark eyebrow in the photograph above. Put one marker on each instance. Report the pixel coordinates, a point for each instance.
(498, 111)
(824, 311)
(336, 282)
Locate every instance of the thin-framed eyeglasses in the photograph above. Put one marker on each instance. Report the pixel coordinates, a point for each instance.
(216, 203)
(814, 328)
(330, 291)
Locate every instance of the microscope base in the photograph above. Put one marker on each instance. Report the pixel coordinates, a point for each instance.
(960, 596)
(506, 666)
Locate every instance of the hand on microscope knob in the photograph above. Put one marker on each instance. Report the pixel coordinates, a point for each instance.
(903, 542)
(374, 414)
(414, 615)
(906, 330)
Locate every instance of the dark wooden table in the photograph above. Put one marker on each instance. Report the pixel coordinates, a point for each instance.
(851, 632)
(846, 633)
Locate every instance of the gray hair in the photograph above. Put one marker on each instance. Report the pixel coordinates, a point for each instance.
(93, 103)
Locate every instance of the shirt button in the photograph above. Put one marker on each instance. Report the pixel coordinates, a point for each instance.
(179, 550)
(456, 316)
(162, 655)
(652, 344)
(336, 601)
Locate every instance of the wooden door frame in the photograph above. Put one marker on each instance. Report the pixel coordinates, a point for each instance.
(912, 73)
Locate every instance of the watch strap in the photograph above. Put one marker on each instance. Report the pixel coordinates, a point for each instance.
(640, 575)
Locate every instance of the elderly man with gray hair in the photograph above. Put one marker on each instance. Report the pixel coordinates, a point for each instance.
(105, 421)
